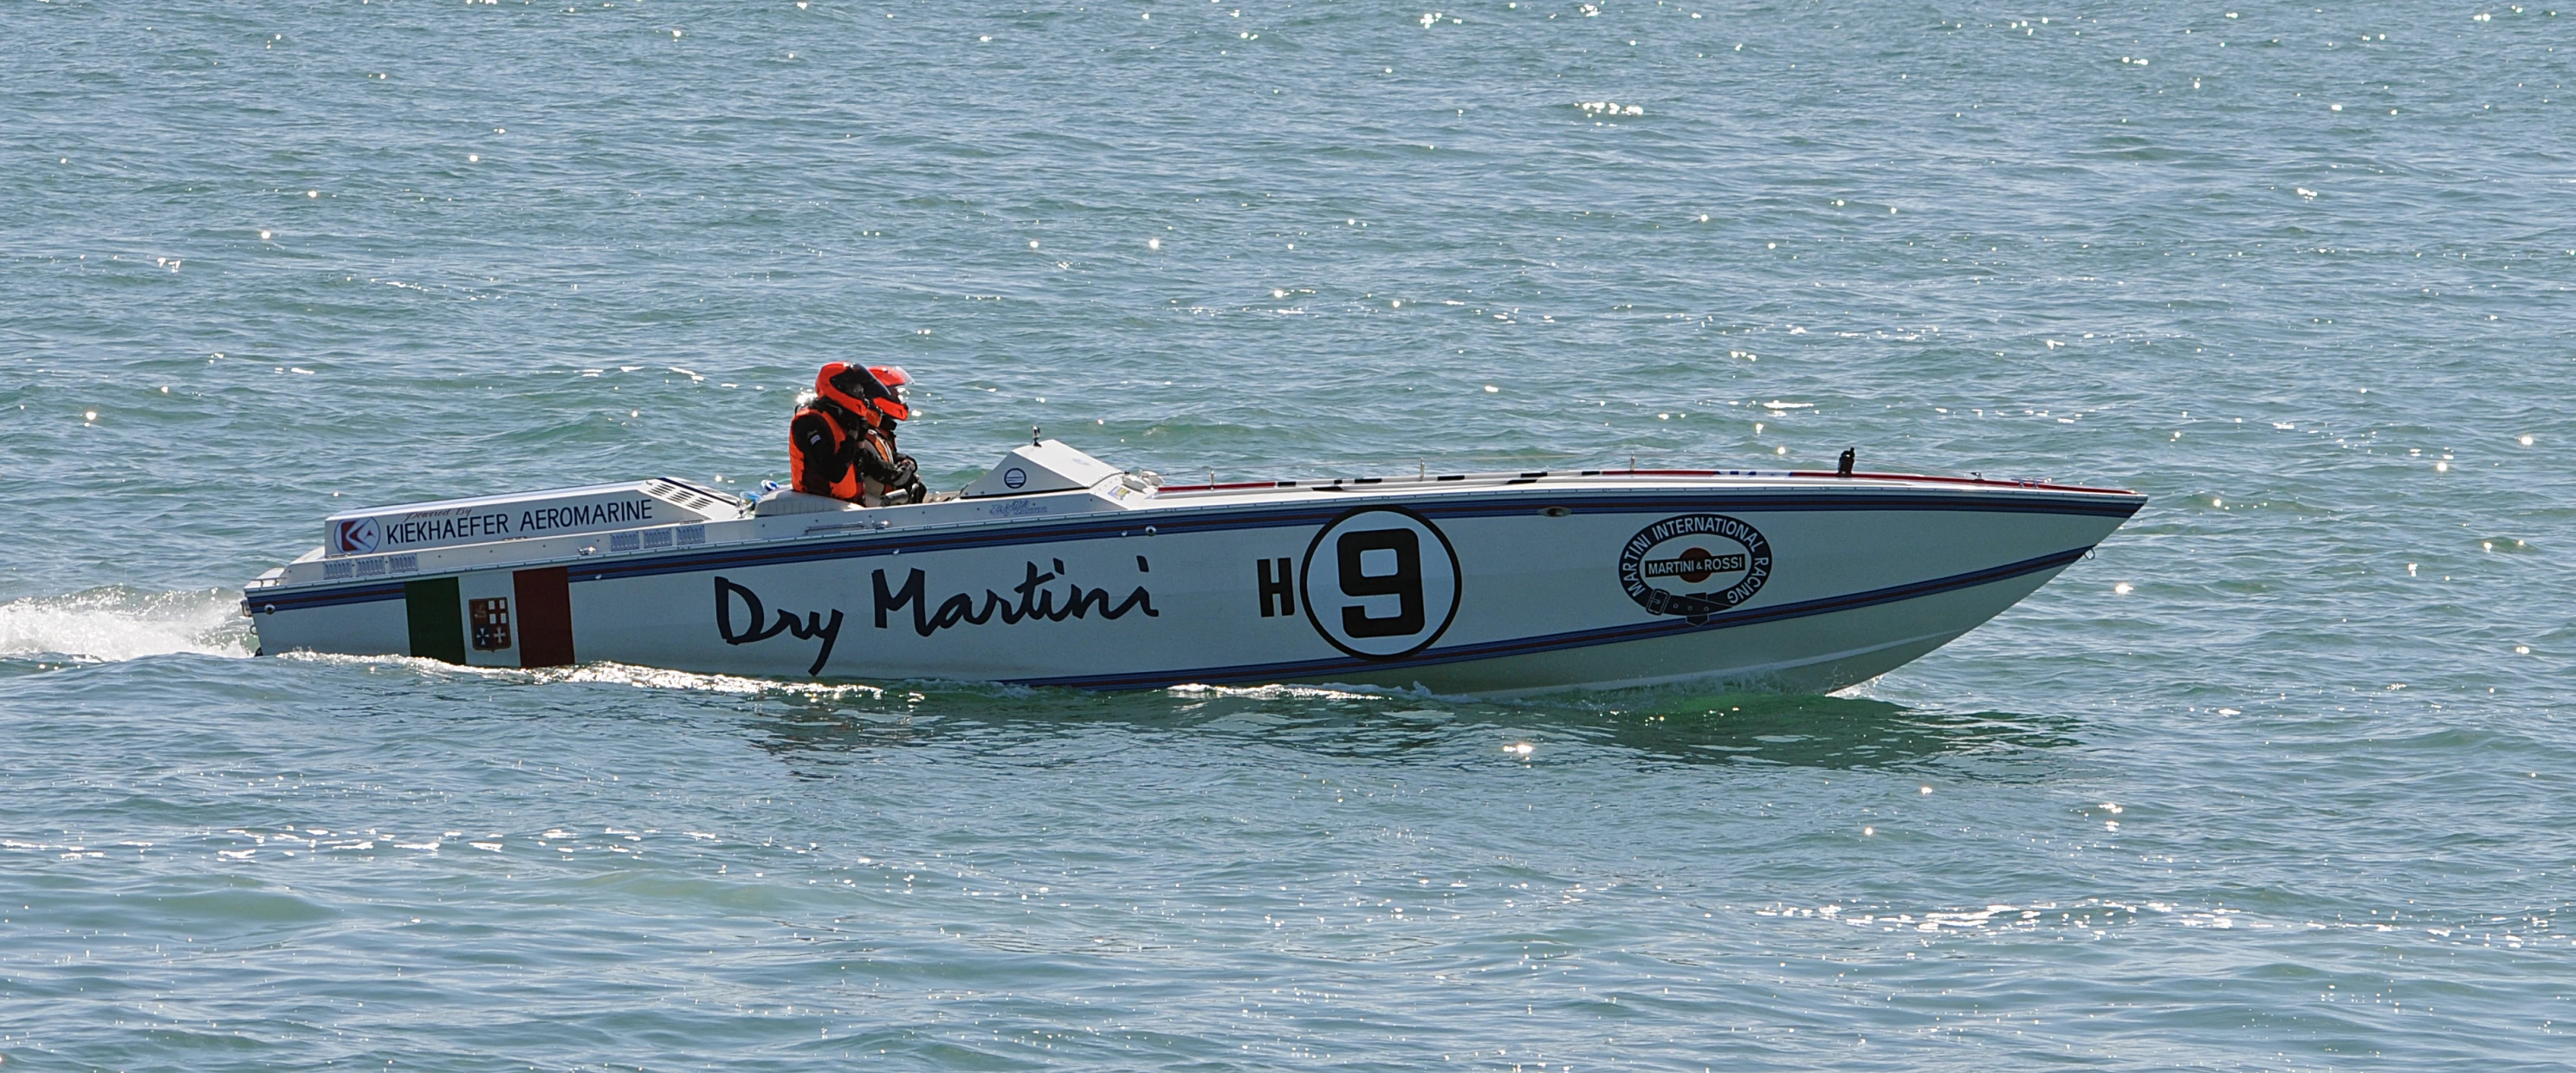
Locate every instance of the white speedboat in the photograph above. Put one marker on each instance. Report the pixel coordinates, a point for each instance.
(1058, 569)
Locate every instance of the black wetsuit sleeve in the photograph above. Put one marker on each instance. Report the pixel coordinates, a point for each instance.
(811, 435)
(876, 467)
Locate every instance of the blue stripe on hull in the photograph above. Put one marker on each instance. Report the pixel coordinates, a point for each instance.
(1272, 672)
(266, 602)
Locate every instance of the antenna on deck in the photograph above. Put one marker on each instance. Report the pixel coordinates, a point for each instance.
(1033, 435)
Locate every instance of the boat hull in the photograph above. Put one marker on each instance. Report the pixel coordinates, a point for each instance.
(1801, 586)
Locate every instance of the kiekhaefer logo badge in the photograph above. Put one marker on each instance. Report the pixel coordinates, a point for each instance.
(1694, 565)
(357, 536)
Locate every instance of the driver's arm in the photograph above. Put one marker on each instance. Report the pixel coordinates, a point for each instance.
(892, 472)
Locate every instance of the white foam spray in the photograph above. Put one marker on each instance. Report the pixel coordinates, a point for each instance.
(117, 622)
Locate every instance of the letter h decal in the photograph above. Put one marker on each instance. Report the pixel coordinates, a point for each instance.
(1278, 593)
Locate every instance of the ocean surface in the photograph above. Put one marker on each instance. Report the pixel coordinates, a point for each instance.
(2282, 779)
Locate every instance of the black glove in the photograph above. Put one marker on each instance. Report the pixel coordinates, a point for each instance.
(907, 477)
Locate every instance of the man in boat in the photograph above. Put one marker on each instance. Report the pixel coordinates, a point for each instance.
(841, 442)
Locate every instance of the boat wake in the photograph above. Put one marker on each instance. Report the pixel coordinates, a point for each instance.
(119, 622)
(1295, 692)
(604, 672)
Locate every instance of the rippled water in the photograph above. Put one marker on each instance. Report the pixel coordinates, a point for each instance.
(2279, 780)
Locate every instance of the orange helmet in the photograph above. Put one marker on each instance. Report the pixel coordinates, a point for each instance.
(894, 380)
(866, 393)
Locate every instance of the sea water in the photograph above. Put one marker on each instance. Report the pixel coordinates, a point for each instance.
(2282, 778)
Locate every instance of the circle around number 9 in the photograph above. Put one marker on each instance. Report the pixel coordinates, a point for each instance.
(1380, 583)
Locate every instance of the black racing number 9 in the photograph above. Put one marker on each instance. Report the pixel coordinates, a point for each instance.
(1404, 582)
(1380, 583)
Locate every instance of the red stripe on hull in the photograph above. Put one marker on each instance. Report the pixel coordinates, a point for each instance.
(545, 616)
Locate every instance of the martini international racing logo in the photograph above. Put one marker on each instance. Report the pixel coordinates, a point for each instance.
(1694, 565)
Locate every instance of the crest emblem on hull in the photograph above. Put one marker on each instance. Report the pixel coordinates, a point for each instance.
(1694, 565)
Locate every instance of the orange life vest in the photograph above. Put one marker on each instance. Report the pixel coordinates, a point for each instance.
(820, 458)
(872, 492)
(809, 464)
